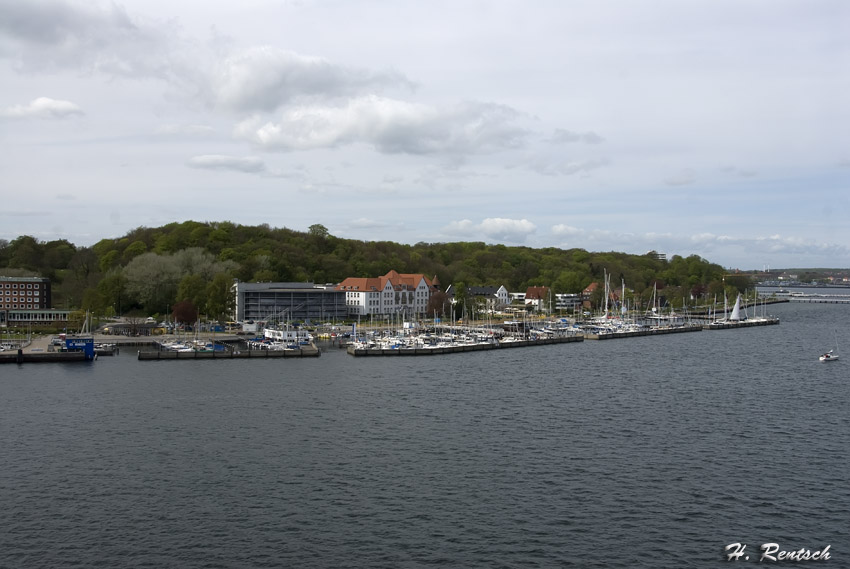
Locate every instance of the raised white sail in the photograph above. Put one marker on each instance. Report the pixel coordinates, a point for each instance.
(736, 310)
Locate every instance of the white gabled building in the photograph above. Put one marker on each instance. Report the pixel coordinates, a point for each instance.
(393, 293)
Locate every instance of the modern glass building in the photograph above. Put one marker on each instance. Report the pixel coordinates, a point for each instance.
(287, 302)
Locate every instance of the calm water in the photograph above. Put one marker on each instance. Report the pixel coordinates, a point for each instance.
(646, 452)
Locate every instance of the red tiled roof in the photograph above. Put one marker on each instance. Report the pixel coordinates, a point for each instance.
(537, 292)
(399, 281)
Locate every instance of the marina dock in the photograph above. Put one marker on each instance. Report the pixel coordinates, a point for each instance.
(646, 332)
(460, 348)
(310, 351)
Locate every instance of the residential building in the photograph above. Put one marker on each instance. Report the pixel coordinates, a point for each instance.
(490, 298)
(567, 302)
(587, 293)
(393, 293)
(539, 298)
(24, 293)
(286, 302)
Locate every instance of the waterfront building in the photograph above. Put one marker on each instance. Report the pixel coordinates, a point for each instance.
(567, 302)
(393, 293)
(36, 317)
(24, 293)
(286, 302)
(26, 300)
(539, 298)
(490, 298)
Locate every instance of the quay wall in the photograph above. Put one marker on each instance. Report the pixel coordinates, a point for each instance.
(21, 357)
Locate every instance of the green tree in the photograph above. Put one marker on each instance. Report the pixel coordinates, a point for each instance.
(193, 288)
(220, 299)
(318, 230)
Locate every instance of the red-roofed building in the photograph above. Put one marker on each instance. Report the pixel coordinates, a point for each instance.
(393, 293)
(538, 297)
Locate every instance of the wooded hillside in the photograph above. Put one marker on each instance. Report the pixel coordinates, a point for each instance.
(152, 269)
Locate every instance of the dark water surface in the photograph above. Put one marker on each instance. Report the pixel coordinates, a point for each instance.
(645, 452)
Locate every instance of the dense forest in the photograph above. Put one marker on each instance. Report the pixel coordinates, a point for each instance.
(153, 270)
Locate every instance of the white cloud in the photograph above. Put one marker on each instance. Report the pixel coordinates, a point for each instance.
(493, 228)
(391, 126)
(264, 78)
(43, 108)
(366, 223)
(249, 164)
(564, 230)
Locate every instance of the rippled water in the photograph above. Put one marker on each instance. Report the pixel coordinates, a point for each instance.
(646, 452)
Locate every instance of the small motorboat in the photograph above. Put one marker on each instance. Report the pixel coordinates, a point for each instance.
(829, 356)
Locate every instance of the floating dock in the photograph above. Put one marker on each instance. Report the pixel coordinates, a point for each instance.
(647, 332)
(741, 324)
(303, 352)
(359, 352)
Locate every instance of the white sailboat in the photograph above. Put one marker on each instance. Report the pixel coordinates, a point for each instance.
(736, 311)
(831, 354)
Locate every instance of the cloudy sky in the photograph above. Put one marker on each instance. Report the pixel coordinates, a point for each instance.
(719, 128)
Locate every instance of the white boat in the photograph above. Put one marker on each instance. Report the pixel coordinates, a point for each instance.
(288, 336)
(829, 356)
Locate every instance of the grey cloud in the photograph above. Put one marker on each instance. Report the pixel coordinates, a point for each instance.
(249, 164)
(392, 127)
(561, 136)
(548, 167)
(264, 78)
(191, 130)
(683, 178)
(50, 35)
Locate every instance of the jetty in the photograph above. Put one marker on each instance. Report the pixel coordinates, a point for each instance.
(652, 331)
(309, 351)
(731, 324)
(358, 351)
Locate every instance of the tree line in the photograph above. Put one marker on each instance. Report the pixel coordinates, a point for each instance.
(155, 270)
